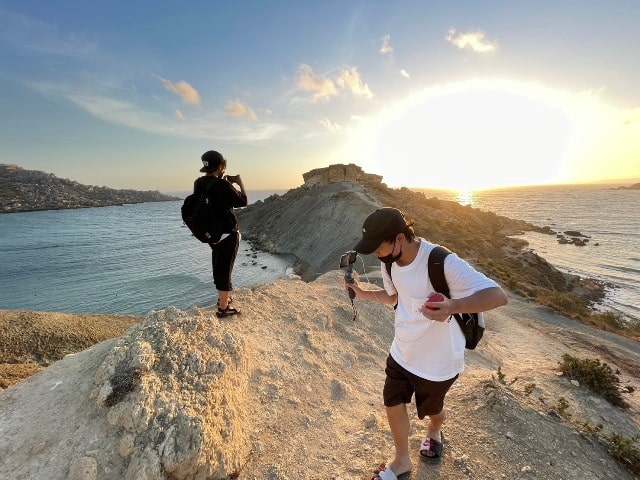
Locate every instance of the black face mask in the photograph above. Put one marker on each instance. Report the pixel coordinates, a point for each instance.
(391, 258)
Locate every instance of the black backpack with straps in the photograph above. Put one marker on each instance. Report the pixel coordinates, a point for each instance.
(470, 324)
(198, 215)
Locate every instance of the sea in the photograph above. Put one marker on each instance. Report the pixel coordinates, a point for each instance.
(608, 216)
(131, 259)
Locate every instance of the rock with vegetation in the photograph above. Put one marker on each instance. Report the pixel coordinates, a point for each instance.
(29, 190)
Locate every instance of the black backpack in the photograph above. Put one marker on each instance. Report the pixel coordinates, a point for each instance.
(470, 324)
(198, 215)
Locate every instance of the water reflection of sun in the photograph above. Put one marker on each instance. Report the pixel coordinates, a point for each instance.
(464, 197)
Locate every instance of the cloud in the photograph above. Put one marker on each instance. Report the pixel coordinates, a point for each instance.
(350, 79)
(180, 115)
(386, 47)
(405, 74)
(236, 108)
(325, 88)
(326, 123)
(475, 41)
(322, 88)
(186, 92)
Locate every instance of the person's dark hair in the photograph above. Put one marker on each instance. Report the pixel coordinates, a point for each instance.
(408, 231)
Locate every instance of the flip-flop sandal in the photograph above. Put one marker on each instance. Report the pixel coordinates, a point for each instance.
(432, 446)
(227, 312)
(383, 473)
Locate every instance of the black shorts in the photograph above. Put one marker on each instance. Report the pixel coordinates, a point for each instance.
(223, 256)
(400, 385)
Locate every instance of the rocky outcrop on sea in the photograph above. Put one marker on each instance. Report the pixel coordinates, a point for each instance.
(30, 190)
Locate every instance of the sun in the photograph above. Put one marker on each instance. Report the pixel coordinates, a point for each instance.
(471, 136)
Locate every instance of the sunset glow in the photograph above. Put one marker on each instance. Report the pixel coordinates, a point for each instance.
(462, 95)
(486, 134)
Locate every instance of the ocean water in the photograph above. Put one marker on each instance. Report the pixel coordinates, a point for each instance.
(122, 259)
(609, 217)
(136, 258)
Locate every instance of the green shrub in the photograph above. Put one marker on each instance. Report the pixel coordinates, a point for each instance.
(610, 319)
(563, 408)
(623, 449)
(564, 303)
(598, 377)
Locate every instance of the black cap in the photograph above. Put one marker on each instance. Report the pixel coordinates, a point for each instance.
(380, 225)
(212, 160)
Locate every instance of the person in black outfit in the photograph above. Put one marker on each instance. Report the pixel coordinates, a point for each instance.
(224, 197)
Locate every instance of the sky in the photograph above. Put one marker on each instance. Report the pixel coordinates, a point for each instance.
(463, 95)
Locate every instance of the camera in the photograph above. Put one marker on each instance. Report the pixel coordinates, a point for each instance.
(346, 262)
(347, 259)
(232, 178)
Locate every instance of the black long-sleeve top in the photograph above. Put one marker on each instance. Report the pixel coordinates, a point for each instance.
(224, 198)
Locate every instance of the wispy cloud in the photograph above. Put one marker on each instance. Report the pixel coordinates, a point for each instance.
(386, 48)
(204, 125)
(324, 88)
(350, 80)
(186, 92)
(321, 88)
(475, 41)
(405, 74)
(28, 33)
(236, 108)
(326, 123)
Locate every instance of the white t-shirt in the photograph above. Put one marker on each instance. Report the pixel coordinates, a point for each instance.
(432, 350)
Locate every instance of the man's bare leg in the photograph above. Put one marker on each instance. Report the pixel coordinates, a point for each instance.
(434, 428)
(223, 299)
(398, 419)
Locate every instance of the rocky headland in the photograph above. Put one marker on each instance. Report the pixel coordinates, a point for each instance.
(322, 218)
(635, 186)
(30, 190)
(291, 389)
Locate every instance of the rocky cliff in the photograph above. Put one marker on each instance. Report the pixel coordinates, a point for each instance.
(28, 190)
(322, 219)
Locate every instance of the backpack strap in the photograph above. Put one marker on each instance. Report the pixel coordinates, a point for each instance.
(210, 186)
(388, 267)
(436, 269)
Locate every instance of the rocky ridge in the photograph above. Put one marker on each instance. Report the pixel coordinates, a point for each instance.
(30, 190)
(321, 219)
(635, 186)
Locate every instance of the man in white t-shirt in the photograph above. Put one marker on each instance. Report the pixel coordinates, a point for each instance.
(427, 353)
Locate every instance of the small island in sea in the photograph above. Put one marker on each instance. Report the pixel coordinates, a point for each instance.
(30, 190)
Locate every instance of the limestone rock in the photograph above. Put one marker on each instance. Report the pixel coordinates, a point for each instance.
(339, 173)
(174, 388)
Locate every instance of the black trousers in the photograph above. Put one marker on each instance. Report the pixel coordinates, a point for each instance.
(223, 256)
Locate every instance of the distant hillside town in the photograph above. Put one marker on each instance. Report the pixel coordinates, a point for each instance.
(30, 190)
